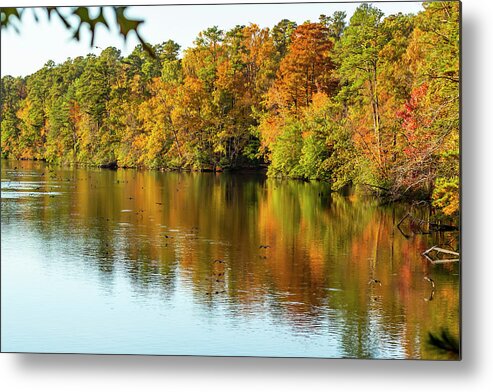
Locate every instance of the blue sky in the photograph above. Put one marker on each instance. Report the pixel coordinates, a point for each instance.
(24, 53)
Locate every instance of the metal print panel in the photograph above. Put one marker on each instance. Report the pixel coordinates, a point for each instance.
(232, 180)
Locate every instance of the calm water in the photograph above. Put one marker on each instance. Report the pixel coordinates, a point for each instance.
(100, 261)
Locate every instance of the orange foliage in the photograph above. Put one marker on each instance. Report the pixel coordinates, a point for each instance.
(306, 69)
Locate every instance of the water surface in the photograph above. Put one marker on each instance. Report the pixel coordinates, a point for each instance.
(144, 262)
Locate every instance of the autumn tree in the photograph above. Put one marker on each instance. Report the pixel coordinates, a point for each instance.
(433, 121)
(92, 92)
(12, 95)
(306, 68)
(358, 67)
(162, 148)
(61, 138)
(33, 113)
(196, 114)
(244, 76)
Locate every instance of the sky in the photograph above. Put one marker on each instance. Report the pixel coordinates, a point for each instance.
(24, 53)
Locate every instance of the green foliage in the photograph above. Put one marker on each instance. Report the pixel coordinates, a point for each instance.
(359, 47)
(314, 154)
(286, 151)
(281, 34)
(335, 24)
(59, 141)
(315, 146)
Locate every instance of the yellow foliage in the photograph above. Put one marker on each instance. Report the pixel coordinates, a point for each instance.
(446, 196)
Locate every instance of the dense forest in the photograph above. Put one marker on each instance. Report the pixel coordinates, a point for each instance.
(371, 102)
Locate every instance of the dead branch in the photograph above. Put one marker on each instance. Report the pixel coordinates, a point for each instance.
(376, 186)
(441, 261)
(438, 251)
(418, 226)
(441, 250)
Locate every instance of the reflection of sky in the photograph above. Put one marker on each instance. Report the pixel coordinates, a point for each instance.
(63, 305)
(25, 53)
(56, 299)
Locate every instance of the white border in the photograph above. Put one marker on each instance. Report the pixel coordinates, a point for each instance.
(97, 373)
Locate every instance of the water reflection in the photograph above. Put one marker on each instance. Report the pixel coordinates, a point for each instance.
(236, 263)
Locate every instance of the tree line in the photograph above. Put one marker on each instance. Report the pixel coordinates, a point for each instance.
(374, 101)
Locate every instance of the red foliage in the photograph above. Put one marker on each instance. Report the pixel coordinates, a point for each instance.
(414, 121)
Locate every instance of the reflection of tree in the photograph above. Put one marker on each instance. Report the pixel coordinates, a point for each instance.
(322, 251)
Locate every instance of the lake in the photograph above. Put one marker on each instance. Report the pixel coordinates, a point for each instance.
(148, 262)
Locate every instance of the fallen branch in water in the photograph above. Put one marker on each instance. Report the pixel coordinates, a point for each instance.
(399, 226)
(418, 226)
(438, 251)
(436, 248)
(381, 188)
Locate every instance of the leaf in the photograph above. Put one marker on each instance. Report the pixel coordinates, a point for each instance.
(85, 18)
(76, 34)
(63, 19)
(82, 13)
(126, 25)
(6, 15)
(101, 19)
